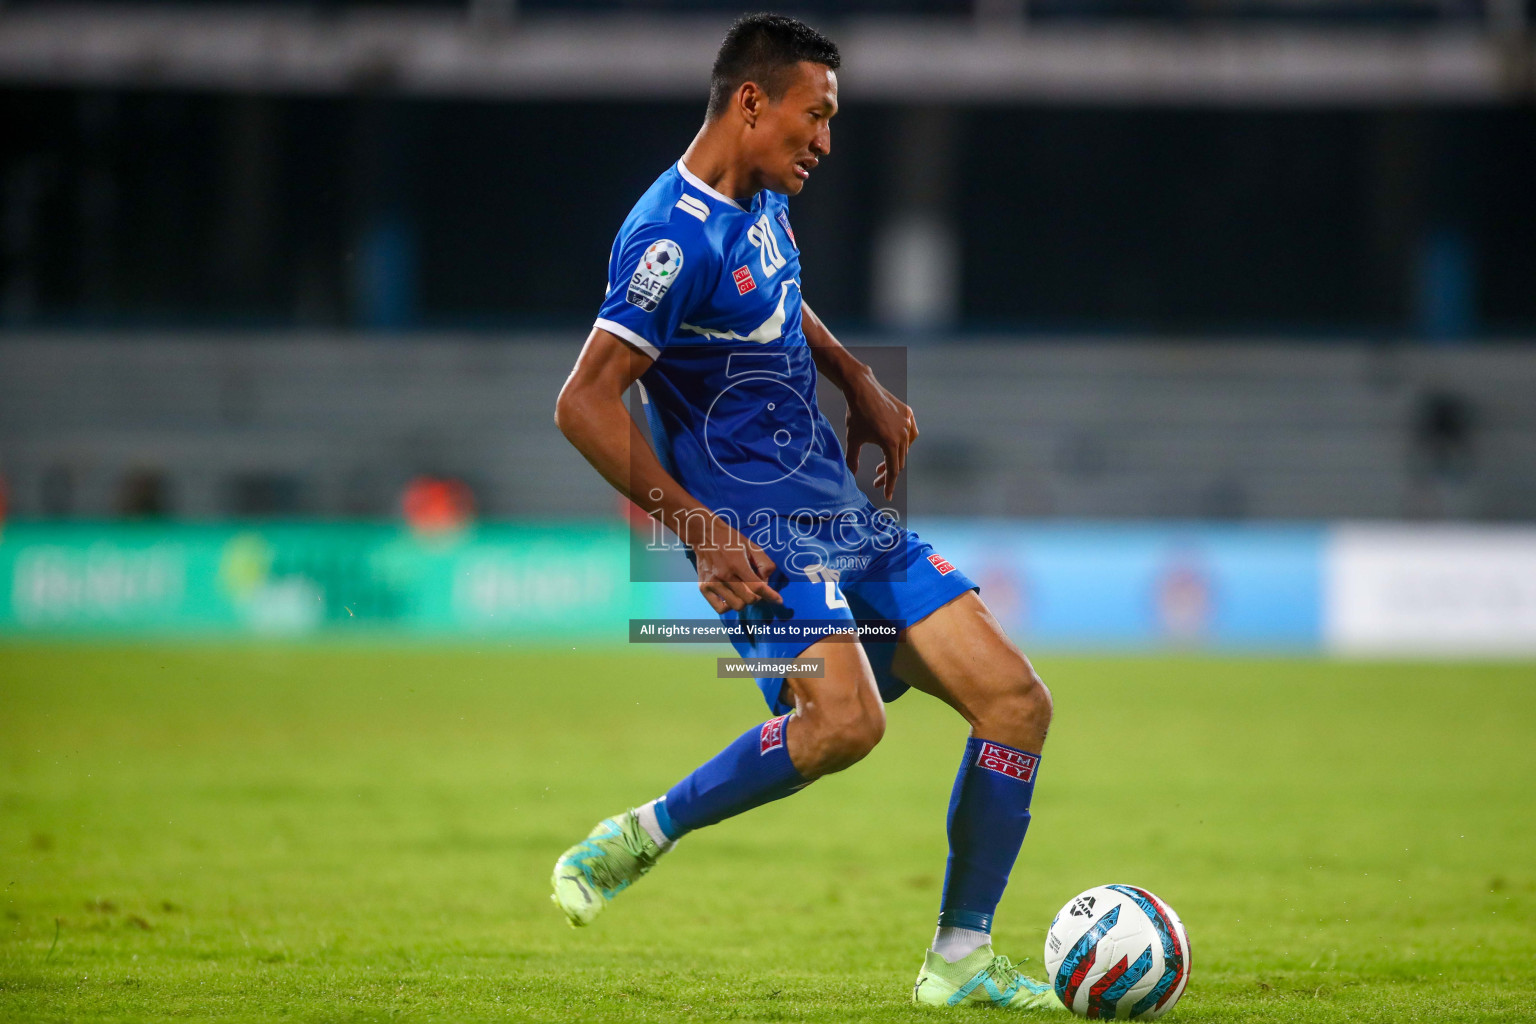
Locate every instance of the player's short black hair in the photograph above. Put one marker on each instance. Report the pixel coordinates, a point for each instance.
(762, 48)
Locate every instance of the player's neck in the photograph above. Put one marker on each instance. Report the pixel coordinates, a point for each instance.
(712, 157)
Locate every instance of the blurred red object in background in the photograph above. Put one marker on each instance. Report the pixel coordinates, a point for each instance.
(438, 504)
(635, 516)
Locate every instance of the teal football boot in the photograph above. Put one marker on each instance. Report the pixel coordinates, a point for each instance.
(591, 873)
(981, 979)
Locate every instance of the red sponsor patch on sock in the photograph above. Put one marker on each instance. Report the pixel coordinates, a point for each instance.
(1007, 761)
(772, 735)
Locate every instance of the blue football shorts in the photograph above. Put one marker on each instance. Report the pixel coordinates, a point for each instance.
(905, 581)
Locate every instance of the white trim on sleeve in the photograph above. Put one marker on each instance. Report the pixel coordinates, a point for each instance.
(693, 207)
(614, 327)
(698, 183)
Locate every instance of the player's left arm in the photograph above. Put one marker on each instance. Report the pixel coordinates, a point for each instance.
(875, 416)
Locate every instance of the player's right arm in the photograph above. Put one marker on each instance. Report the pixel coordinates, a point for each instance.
(590, 412)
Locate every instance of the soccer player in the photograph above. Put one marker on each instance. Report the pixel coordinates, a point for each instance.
(704, 311)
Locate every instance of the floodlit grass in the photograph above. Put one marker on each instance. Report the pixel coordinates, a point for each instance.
(359, 834)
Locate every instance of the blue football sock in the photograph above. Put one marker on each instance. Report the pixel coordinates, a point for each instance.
(754, 770)
(988, 816)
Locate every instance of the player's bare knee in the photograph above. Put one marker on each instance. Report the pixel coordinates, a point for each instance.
(843, 737)
(868, 731)
(1029, 699)
(856, 739)
(1019, 703)
(1044, 705)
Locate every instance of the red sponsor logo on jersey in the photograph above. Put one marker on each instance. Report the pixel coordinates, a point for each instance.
(772, 735)
(743, 278)
(1006, 761)
(938, 562)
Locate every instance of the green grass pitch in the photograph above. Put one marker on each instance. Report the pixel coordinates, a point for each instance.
(330, 833)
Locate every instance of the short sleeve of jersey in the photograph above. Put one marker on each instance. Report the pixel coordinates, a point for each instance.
(658, 273)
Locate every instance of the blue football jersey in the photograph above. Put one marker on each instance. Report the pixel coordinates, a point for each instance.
(710, 289)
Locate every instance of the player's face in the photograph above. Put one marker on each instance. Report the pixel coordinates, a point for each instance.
(793, 130)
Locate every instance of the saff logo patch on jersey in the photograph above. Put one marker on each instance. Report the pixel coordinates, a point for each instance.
(1007, 761)
(939, 563)
(772, 735)
(783, 219)
(743, 278)
(658, 268)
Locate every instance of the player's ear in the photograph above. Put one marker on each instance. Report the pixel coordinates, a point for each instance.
(750, 100)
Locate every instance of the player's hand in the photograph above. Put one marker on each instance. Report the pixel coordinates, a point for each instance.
(875, 416)
(735, 573)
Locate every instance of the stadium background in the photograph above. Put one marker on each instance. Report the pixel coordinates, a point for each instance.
(1219, 321)
(1247, 263)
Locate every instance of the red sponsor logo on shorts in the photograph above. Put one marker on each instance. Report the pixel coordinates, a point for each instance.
(743, 278)
(938, 562)
(1007, 762)
(772, 735)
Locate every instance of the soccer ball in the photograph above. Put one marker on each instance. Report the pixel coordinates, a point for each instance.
(1117, 951)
